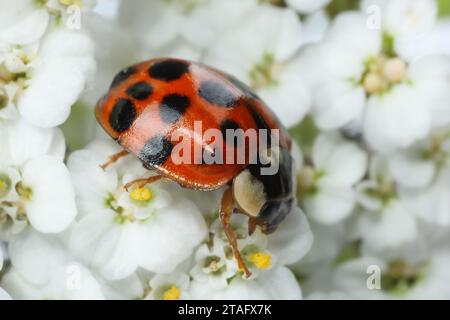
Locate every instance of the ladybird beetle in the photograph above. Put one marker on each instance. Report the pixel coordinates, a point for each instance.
(149, 102)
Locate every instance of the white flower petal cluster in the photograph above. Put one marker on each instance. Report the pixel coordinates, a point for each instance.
(363, 80)
(46, 60)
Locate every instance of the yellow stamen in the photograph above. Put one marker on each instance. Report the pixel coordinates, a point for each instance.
(260, 259)
(373, 83)
(172, 294)
(394, 70)
(1, 185)
(141, 194)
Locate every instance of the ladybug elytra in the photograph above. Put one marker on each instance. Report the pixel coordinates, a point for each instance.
(150, 103)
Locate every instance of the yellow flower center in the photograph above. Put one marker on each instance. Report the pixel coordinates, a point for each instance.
(260, 259)
(141, 194)
(172, 294)
(2, 184)
(383, 73)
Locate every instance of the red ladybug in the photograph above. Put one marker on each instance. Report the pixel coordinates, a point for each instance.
(148, 103)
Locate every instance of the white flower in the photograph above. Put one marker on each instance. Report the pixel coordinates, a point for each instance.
(276, 284)
(384, 222)
(22, 21)
(424, 193)
(121, 231)
(130, 288)
(307, 6)
(325, 187)
(400, 277)
(430, 204)
(394, 226)
(174, 286)
(42, 269)
(58, 76)
(266, 62)
(35, 184)
(43, 69)
(314, 27)
(404, 18)
(433, 42)
(160, 22)
(215, 266)
(364, 80)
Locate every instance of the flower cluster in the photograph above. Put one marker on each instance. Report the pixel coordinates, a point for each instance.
(363, 87)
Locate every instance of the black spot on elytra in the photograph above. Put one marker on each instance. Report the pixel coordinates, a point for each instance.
(140, 90)
(261, 124)
(231, 125)
(217, 94)
(168, 70)
(245, 89)
(122, 115)
(156, 151)
(173, 107)
(122, 76)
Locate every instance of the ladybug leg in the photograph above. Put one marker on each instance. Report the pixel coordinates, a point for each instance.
(226, 212)
(113, 158)
(141, 182)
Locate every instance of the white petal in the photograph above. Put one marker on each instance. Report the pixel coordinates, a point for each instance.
(336, 103)
(74, 282)
(315, 26)
(4, 295)
(307, 6)
(27, 141)
(437, 274)
(431, 77)
(52, 206)
(404, 18)
(205, 14)
(403, 116)
(275, 284)
(341, 161)
(293, 238)
(364, 198)
(22, 22)
(431, 43)
(432, 204)
(402, 164)
(394, 227)
(92, 184)
(332, 203)
(290, 99)
(36, 256)
(129, 288)
(20, 288)
(114, 253)
(281, 37)
(168, 239)
(50, 94)
(350, 33)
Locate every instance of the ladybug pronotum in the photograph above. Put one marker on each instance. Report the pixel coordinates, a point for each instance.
(148, 103)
